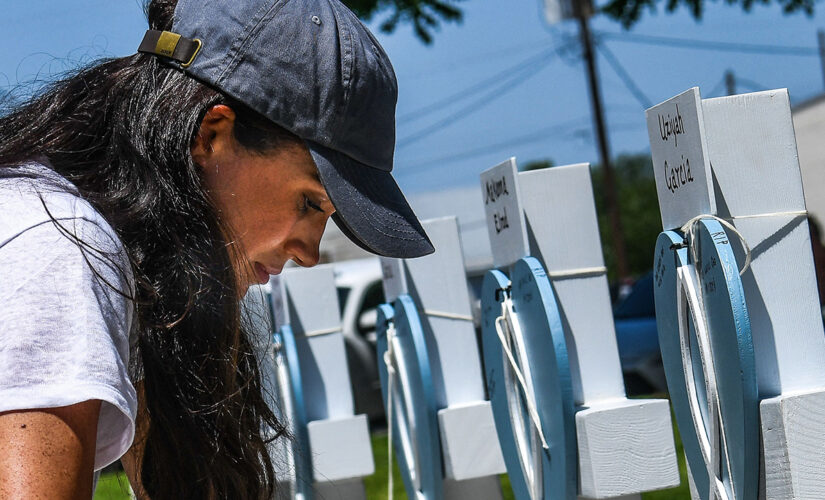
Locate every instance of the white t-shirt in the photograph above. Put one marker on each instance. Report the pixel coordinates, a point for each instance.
(64, 333)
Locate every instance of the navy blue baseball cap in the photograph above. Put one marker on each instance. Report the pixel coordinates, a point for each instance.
(313, 68)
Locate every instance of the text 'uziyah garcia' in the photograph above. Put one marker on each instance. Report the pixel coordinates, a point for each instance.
(671, 126)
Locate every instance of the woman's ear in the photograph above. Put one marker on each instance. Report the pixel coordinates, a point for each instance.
(214, 138)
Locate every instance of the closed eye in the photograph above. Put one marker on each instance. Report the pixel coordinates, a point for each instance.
(314, 206)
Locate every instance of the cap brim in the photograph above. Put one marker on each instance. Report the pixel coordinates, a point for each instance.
(369, 206)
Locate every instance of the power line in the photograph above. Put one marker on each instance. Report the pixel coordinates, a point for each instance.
(509, 84)
(540, 135)
(536, 136)
(687, 43)
(474, 89)
(477, 58)
(624, 76)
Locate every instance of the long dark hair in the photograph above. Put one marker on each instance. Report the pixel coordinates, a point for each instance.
(121, 131)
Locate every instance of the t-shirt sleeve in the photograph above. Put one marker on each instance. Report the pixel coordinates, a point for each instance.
(65, 319)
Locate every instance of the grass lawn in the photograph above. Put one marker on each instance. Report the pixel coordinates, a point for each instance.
(114, 486)
(376, 485)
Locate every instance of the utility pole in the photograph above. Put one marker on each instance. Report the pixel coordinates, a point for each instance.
(583, 10)
(820, 36)
(730, 82)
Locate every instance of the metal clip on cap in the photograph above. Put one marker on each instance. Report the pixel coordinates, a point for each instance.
(170, 45)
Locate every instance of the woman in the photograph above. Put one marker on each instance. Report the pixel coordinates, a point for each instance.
(139, 199)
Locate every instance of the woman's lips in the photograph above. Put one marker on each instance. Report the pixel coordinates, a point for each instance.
(263, 272)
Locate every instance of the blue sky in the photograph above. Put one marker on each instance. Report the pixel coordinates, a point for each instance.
(538, 110)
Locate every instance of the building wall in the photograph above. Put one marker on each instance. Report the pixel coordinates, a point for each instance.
(809, 126)
(464, 202)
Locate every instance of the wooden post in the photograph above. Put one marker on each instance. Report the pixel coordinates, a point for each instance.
(730, 82)
(820, 38)
(437, 286)
(306, 301)
(744, 170)
(624, 446)
(780, 286)
(611, 197)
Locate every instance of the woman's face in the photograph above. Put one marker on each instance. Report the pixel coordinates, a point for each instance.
(274, 203)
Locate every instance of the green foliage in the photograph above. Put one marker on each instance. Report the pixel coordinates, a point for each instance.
(639, 206)
(627, 12)
(536, 165)
(425, 16)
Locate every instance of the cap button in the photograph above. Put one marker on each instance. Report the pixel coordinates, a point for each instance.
(316, 20)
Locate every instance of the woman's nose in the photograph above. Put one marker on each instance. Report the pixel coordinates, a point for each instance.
(305, 248)
(305, 251)
(308, 256)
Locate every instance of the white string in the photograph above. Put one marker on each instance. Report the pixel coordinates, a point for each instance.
(582, 272)
(689, 227)
(448, 315)
(770, 214)
(324, 331)
(510, 321)
(389, 360)
(688, 230)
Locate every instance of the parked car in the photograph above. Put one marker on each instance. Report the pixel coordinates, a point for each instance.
(638, 339)
(360, 291)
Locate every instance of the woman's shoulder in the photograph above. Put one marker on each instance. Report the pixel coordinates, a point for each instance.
(32, 195)
(42, 212)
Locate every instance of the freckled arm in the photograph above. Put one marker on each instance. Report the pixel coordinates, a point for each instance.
(49, 452)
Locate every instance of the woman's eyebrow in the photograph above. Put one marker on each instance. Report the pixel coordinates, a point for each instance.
(317, 178)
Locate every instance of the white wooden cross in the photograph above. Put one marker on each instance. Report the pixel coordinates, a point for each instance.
(339, 442)
(745, 171)
(438, 286)
(624, 446)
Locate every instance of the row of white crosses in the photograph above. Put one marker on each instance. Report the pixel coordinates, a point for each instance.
(744, 356)
(306, 377)
(558, 415)
(551, 358)
(736, 298)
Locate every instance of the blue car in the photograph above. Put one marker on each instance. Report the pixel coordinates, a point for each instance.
(638, 339)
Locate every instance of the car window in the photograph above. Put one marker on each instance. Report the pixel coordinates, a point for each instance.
(372, 298)
(343, 293)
